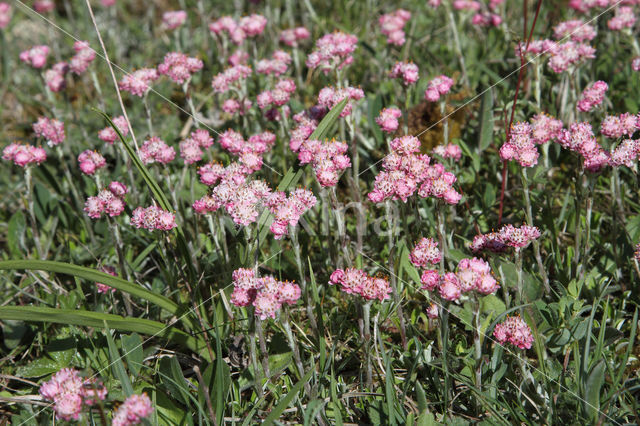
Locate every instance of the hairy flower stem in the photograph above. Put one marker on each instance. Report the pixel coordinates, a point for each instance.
(477, 341)
(589, 211)
(342, 234)
(445, 122)
(192, 108)
(293, 345)
(392, 274)
(444, 337)
(577, 233)
(263, 348)
(326, 220)
(519, 282)
(31, 208)
(366, 339)
(214, 236)
(293, 232)
(253, 354)
(536, 244)
(124, 273)
(147, 110)
(442, 235)
(74, 190)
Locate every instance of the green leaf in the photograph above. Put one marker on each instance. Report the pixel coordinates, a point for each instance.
(133, 353)
(328, 120)
(486, 120)
(92, 275)
(38, 368)
(116, 363)
(421, 397)
(284, 403)
(592, 391)
(97, 320)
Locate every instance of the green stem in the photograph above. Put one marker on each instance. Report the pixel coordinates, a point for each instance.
(536, 244)
(392, 275)
(32, 215)
(293, 232)
(366, 340)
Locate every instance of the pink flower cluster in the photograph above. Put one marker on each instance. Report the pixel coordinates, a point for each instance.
(83, 57)
(356, 281)
(486, 19)
(277, 97)
(307, 122)
(508, 236)
(565, 55)
(54, 77)
(466, 5)
(277, 65)
(173, 19)
(133, 410)
(43, 6)
(388, 119)
(544, 128)
(233, 106)
(248, 26)
(223, 81)
(109, 135)
(624, 18)
(406, 171)
(5, 14)
(292, 36)
(520, 146)
(327, 158)
(616, 126)
(288, 210)
(584, 6)
(330, 97)
(50, 129)
(266, 294)
(333, 51)
(179, 67)
(103, 288)
(392, 25)
(635, 64)
(407, 70)
(250, 151)
(69, 392)
(154, 150)
(109, 201)
(626, 153)
(579, 138)
(592, 96)
(438, 87)
(90, 161)
(191, 148)
(472, 275)
(425, 251)
(449, 151)
(514, 330)
(241, 199)
(211, 173)
(152, 218)
(575, 29)
(23, 155)
(36, 56)
(138, 82)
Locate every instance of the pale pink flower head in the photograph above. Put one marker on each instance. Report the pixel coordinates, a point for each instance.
(83, 57)
(223, 81)
(293, 36)
(635, 63)
(432, 311)
(174, 19)
(109, 135)
(592, 96)
(107, 3)
(133, 410)
(514, 330)
(288, 293)
(576, 29)
(69, 392)
(392, 25)
(626, 153)
(118, 189)
(332, 51)
(90, 161)
(138, 83)
(544, 128)
(437, 88)
(54, 77)
(253, 25)
(449, 151)
(43, 6)
(408, 71)
(617, 126)
(388, 119)
(179, 67)
(624, 18)
(486, 19)
(467, 5)
(475, 274)
(330, 97)
(518, 237)
(580, 139)
(36, 56)
(152, 218)
(449, 287)
(5, 14)
(49, 129)
(103, 288)
(429, 279)
(190, 151)
(425, 252)
(154, 150)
